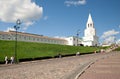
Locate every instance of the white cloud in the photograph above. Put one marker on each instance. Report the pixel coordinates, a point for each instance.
(110, 40)
(109, 37)
(27, 24)
(118, 41)
(25, 10)
(109, 33)
(19, 9)
(9, 29)
(75, 2)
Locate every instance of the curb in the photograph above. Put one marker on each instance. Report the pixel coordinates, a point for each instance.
(83, 70)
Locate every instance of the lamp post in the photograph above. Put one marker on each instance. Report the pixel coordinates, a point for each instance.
(78, 32)
(16, 27)
(115, 40)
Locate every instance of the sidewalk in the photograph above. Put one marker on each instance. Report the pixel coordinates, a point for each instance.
(108, 68)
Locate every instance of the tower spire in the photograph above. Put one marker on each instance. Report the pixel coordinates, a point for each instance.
(90, 23)
(90, 19)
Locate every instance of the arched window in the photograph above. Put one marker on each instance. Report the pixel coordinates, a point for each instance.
(90, 25)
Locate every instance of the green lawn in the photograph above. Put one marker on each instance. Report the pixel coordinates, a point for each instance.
(33, 50)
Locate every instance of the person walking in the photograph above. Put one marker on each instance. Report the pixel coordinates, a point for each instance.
(6, 60)
(78, 53)
(60, 56)
(12, 59)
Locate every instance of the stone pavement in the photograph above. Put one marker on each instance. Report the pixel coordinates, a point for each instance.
(58, 68)
(107, 68)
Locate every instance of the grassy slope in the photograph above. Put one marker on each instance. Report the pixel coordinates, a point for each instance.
(32, 50)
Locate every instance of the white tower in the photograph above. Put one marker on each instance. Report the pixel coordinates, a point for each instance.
(90, 38)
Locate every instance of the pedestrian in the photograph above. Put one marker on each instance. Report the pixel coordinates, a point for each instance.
(60, 56)
(102, 50)
(95, 51)
(78, 53)
(12, 59)
(6, 60)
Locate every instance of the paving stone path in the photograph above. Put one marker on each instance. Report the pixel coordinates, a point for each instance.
(59, 68)
(108, 68)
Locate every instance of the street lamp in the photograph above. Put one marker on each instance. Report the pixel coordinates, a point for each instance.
(16, 27)
(78, 32)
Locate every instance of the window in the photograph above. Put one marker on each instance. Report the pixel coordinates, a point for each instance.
(24, 38)
(37, 39)
(74, 39)
(91, 25)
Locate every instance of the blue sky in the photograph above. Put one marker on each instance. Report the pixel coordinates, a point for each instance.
(63, 18)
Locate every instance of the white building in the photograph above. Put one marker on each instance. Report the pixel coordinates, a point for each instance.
(27, 37)
(74, 41)
(90, 38)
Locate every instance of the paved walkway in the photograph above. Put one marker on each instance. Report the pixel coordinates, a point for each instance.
(59, 68)
(107, 68)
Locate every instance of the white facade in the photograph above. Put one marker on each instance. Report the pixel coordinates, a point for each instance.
(27, 37)
(31, 38)
(73, 41)
(90, 38)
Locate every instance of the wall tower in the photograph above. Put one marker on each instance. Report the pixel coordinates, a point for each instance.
(90, 38)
